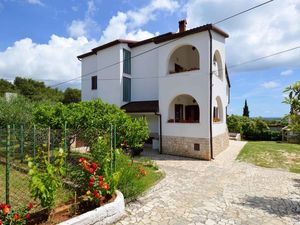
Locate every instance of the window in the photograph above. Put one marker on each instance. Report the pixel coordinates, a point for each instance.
(126, 61)
(192, 113)
(178, 112)
(126, 89)
(197, 147)
(216, 114)
(94, 82)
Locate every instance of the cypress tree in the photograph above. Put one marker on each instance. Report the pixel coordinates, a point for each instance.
(246, 109)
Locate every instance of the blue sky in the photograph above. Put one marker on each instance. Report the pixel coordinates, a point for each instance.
(40, 39)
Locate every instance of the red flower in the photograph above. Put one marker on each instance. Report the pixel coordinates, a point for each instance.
(16, 216)
(30, 205)
(143, 172)
(91, 184)
(102, 198)
(6, 209)
(92, 179)
(94, 165)
(86, 167)
(81, 159)
(101, 177)
(91, 170)
(100, 184)
(106, 186)
(1, 222)
(27, 216)
(97, 195)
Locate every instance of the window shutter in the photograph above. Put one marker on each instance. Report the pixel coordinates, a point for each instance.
(126, 89)
(126, 61)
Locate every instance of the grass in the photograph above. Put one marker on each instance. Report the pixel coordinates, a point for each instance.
(272, 154)
(19, 189)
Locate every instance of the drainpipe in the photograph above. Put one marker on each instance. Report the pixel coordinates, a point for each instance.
(210, 96)
(160, 133)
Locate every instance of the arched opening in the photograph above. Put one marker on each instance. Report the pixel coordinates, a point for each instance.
(217, 65)
(184, 109)
(218, 113)
(184, 58)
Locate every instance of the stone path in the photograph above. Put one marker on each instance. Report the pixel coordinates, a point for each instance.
(223, 191)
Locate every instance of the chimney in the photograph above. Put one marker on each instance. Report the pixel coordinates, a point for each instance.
(182, 25)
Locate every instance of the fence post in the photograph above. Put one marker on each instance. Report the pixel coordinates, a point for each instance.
(13, 141)
(34, 134)
(49, 143)
(7, 175)
(22, 142)
(115, 144)
(65, 142)
(111, 148)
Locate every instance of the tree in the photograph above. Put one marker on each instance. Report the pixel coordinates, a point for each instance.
(93, 119)
(6, 86)
(72, 95)
(293, 98)
(36, 90)
(246, 109)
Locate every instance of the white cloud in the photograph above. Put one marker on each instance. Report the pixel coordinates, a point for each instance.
(271, 84)
(287, 73)
(257, 33)
(35, 2)
(84, 27)
(142, 16)
(78, 28)
(55, 60)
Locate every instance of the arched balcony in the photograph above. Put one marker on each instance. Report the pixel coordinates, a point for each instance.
(183, 59)
(218, 114)
(218, 69)
(184, 109)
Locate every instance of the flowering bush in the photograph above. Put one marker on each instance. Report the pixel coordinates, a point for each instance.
(98, 187)
(10, 216)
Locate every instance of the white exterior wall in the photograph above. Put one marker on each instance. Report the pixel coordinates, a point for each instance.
(88, 69)
(150, 80)
(144, 83)
(194, 83)
(108, 86)
(219, 85)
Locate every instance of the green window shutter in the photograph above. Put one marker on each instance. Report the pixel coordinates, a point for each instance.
(126, 89)
(126, 61)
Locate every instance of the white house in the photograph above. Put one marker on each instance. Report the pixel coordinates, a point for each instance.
(178, 81)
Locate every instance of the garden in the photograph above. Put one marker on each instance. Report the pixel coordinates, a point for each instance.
(266, 147)
(46, 178)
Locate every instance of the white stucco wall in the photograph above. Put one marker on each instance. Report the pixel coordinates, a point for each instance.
(108, 79)
(144, 73)
(194, 83)
(150, 80)
(220, 85)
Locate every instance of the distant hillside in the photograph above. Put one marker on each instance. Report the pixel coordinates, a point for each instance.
(38, 91)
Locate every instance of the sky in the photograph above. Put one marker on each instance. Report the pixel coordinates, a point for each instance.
(40, 39)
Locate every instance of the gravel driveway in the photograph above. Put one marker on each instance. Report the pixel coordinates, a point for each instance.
(223, 191)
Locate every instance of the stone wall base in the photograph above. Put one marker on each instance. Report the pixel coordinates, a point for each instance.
(220, 143)
(198, 148)
(185, 146)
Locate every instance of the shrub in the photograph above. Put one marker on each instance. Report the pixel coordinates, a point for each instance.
(46, 177)
(252, 128)
(12, 216)
(90, 120)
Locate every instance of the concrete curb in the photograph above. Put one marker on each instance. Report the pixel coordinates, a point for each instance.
(106, 214)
